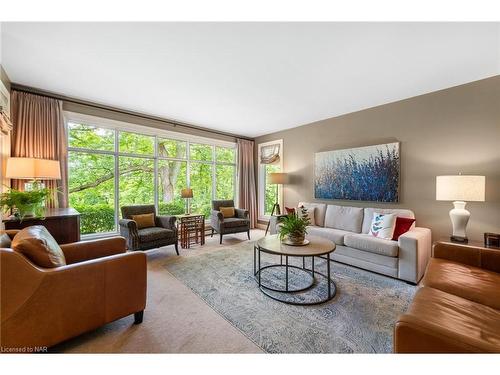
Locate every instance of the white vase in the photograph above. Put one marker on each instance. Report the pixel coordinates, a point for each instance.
(459, 218)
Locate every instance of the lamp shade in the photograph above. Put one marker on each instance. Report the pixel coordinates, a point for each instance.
(460, 188)
(32, 168)
(277, 178)
(187, 193)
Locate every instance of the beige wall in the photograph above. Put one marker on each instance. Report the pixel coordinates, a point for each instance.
(445, 132)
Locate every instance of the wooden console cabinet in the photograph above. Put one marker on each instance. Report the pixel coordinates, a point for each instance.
(62, 223)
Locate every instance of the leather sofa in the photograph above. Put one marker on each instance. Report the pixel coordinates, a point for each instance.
(41, 307)
(348, 227)
(458, 308)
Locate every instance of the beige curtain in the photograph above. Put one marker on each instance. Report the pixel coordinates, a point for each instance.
(246, 179)
(39, 132)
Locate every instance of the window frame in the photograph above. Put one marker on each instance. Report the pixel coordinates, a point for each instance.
(262, 178)
(119, 126)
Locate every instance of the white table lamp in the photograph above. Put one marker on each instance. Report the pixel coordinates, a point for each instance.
(460, 189)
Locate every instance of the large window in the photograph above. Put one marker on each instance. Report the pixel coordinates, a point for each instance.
(111, 166)
(270, 161)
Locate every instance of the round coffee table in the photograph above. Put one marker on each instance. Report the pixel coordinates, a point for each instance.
(317, 247)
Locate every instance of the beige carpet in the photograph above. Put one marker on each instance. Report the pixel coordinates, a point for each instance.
(175, 319)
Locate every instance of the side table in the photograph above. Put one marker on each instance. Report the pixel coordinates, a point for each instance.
(191, 229)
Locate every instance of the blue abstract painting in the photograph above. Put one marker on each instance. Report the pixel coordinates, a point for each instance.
(368, 173)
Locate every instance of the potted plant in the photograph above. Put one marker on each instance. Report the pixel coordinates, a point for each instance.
(27, 203)
(293, 228)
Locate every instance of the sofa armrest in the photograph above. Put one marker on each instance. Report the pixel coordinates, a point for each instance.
(414, 253)
(273, 223)
(475, 256)
(166, 221)
(241, 213)
(85, 250)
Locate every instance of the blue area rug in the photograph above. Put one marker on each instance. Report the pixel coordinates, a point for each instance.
(360, 319)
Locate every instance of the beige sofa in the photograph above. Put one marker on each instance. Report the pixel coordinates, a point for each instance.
(348, 227)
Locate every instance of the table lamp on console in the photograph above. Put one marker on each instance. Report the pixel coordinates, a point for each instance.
(34, 170)
(187, 194)
(460, 189)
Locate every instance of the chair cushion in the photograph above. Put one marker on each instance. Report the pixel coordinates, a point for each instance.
(154, 234)
(335, 235)
(343, 217)
(144, 220)
(472, 283)
(227, 212)
(233, 222)
(38, 245)
(372, 244)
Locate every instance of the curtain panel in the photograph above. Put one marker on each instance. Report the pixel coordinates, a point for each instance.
(39, 132)
(246, 179)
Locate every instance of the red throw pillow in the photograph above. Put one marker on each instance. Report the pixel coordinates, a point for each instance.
(289, 211)
(403, 225)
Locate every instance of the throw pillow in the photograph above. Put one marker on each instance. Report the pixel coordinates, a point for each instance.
(403, 225)
(290, 211)
(382, 225)
(38, 245)
(227, 211)
(301, 211)
(144, 220)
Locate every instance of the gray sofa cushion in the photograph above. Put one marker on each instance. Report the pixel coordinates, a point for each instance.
(154, 234)
(398, 211)
(372, 244)
(344, 217)
(319, 212)
(335, 235)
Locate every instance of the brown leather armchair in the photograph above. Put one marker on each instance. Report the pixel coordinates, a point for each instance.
(41, 307)
(458, 308)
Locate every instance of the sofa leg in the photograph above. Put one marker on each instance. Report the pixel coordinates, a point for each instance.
(138, 316)
(177, 248)
(220, 239)
(248, 233)
(211, 235)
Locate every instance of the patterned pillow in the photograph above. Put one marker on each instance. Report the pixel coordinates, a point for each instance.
(309, 212)
(382, 225)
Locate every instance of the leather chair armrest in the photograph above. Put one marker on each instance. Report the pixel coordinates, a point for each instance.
(414, 253)
(488, 259)
(241, 213)
(85, 250)
(166, 221)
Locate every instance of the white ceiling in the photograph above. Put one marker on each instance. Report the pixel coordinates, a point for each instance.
(248, 78)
